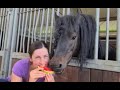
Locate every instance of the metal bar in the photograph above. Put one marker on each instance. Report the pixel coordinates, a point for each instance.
(18, 35)
(7, 28)
(41, 27)
(44, 24)
(63, 11)
(51, 30)
(14, 35)
(68, 11)
(46, 31)
(107, 33)
(97, 33)
(22, 31)
(6, 36)
(111, 19)
(1, 16)
(29, 30)
(33, 25)
(5, 44)
(19, 28)
(118, 35)
(98, 64)
(25, 29)
(32, 10)
(2, 24)
(8, 44)
(38, 15)
(4, 29)
(58, 10)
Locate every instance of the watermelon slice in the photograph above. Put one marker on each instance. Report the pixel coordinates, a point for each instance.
(47, 70)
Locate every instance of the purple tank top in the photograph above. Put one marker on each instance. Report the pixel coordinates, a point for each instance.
(21, 69)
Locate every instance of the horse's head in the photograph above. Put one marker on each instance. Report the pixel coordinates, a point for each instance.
(66, 35)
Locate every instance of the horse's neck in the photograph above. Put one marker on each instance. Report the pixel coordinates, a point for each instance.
(76, 50)
(101, 49)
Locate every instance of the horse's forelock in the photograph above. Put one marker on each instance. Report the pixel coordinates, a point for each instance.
(67, 22)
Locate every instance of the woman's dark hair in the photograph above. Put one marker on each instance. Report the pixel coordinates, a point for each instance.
(36, 45)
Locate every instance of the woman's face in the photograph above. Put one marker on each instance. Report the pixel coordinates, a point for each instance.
(40, 57)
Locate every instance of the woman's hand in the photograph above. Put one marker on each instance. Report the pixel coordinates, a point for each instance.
(35, 74)
(49, 78)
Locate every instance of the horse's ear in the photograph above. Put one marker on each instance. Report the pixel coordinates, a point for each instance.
(78, 16)
(56, 16)
(78, 11)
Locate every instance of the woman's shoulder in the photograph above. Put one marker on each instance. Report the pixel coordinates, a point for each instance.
(22, 62)
(20, 68)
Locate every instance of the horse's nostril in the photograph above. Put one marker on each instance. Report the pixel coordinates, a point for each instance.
(56, 66)
(60, 65)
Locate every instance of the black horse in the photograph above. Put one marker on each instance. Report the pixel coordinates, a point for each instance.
(74, 36)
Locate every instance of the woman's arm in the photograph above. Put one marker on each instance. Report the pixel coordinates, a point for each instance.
(15, 78)
(35, 74)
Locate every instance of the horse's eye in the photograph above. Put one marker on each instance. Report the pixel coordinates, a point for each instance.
(73, 37)
(62, 23)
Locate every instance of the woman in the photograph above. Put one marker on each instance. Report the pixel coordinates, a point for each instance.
(26, 70)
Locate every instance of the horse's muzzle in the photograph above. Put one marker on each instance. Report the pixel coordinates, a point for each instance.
(57, 68)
